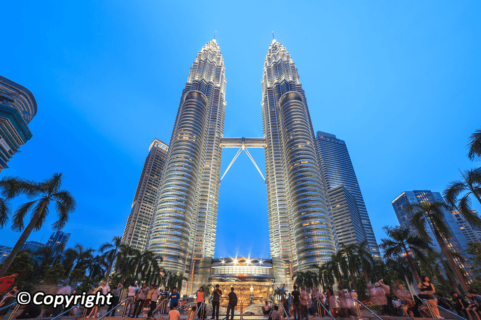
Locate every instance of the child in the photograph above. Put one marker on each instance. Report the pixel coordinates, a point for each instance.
(191, 314)
(174, 313)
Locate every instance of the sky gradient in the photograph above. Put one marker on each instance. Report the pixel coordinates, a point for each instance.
(398, 81)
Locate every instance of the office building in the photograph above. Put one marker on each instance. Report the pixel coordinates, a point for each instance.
(347, 219)
(17, 109)
(57, 239)
(457, 242)
(472, 233)
(4, 253)
(338, 171)
(32, 246)
(139, 223)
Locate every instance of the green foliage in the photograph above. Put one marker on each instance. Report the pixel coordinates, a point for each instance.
(77, 276)
(22, 264)
(361, 287)
(53, 275)
(114, 279)
(474, 250)
(375, 307)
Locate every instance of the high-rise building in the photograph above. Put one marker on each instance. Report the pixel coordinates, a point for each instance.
(4, 253)
(185, 221)
(56, 239)
(457, 242)
(139, 223)
(32, 245)
(338, 171)
(299, 223)
(17, 109)
(347, 219)
(471, 232)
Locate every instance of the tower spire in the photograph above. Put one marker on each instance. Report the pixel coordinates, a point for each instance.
(273, 38)
(215, 33)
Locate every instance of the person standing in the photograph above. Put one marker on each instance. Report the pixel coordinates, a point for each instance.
(140, 300)
(200, 302)
(8, 299)
(304, 302)
(153, 299)
(174, 297)
(115, 300)
(296, 303)
(216, 302)
(6, 283)
(64, 290)
(232, 304)
(132, 290)
(289, 303)
(460, 305)
(266, 308)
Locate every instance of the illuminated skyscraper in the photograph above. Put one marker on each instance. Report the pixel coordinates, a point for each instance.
(17, 109)
(139, 223)
(184, 226)
(338, 171)
(299, 224)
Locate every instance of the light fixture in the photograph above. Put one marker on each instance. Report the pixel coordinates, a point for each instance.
(223, 261)
(235, 261)
(260, 261)
(248, 261)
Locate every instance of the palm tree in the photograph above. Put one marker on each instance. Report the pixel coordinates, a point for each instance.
(350, 251)
(474, 145)
(366, 259)
(96, 267)
(337, 267)
(306, 279)
(433, 213)
(124, 265)
(109, 250)
(49, 194)
(470, 185)
(76, 257)
(402, 242)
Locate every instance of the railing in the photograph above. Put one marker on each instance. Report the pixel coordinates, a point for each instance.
(65, 311)
(163, 307)
(112, 308)
(287, 315)
(457, 315)
(325, 309)
(362, 304)
(8, 306)
(426, 303)
(12, 315)
(241, 315)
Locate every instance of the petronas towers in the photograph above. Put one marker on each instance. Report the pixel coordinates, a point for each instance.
(183, 228)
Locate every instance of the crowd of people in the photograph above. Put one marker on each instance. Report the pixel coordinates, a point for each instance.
(147, 300)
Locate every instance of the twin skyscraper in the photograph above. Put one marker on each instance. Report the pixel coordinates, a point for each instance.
(175, 208)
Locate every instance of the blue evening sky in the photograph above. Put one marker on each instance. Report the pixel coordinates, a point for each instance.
(399, 81)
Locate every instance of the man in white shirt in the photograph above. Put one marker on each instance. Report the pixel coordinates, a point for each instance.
(153, 299)
(104, 287)
(131, 295)
(64, 290)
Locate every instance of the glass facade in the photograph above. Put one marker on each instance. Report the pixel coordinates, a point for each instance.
(17, 109)
(299, 225)
(184, 224)
(58, 238)
(338, 171)
(457, 242)
(346, 216)
(139, 224)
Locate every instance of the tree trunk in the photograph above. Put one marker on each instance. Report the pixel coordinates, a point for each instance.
(353, 280)
(21, 241)
(108, 272)
(412, 266)
(452, 282)
(366, 277)
(450, 260)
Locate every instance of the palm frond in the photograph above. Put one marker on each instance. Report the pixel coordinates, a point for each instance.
(12, 187)
(43, 212)
(466, 211)
(5, 212)
(19, 215)
(474, 145)
(419, 222)
(452, 192)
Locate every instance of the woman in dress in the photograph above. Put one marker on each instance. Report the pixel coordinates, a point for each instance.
(427, 293)
(200, 300)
